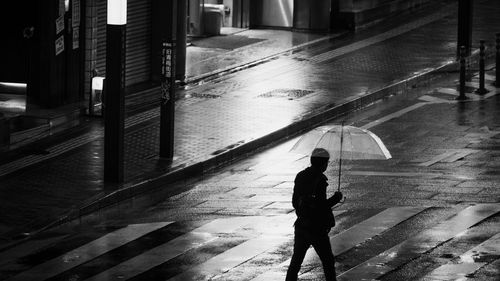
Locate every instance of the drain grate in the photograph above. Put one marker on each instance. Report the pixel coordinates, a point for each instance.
(286, 93)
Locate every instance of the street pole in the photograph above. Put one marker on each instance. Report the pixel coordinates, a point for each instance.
(181, 40)
(167, 81)
(464, 26)
(482, 90)
(462, 95)
(497, 67)
(114, 99)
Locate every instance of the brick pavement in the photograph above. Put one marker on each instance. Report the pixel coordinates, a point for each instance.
(234, 111)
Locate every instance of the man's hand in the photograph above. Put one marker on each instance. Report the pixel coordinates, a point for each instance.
(337, 197)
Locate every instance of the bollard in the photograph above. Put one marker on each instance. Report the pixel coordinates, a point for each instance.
(482, 90)
(462, 95)
(497, 79)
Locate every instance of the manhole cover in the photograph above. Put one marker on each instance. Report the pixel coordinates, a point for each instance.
(286, 93)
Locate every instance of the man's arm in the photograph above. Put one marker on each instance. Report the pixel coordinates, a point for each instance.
(336, 198)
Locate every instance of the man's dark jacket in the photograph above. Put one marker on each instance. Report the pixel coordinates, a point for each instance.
(309, 200)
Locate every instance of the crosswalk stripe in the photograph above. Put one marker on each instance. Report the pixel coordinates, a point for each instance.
(27, 248)
(353, 236)
(372, 227)
(468, 262)
(231, 258)
(448, 91)
(268, 233)
(88, 251)
(426, 240)
(394, 115)
(174, 248)
(273, 232)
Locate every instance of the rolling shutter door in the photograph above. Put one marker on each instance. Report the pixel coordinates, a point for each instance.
(138, 47)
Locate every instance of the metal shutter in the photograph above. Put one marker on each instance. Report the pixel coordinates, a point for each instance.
(138, 52)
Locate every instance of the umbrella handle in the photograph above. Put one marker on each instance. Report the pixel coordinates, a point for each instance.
(340, 172)
(340, 154)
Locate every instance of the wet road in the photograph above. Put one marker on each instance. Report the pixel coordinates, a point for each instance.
(432, 212)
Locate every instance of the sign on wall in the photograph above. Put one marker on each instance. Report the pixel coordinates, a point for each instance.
(75, 8)
(60, 45)
(75, 23)
(59, 24)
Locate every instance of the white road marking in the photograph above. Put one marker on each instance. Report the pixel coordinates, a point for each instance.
(432, 99)
(425, 241)
(448, 91)
(394, 115)
(459, 154)
(437, 158)
(467, 263)
(173, 248)
(351, 237)
(274, 233)
(395, 174)
(88, 251)
(27, 248)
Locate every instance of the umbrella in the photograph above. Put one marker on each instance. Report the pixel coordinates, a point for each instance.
(343, 142)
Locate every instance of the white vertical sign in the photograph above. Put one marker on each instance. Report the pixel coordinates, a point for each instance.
(75, 11)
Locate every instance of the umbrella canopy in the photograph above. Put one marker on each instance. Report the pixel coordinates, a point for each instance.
(343, 142)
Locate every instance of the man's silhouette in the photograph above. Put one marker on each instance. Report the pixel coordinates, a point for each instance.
(314, 216)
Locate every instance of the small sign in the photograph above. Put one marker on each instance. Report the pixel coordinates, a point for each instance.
(59, 24)
(167, 69)
(60, 45)
(166, 60)
(75, 11)
(76, 37)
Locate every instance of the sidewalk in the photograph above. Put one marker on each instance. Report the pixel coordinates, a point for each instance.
(233, 115)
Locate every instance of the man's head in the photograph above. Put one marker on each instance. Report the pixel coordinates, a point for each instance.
(319, 159)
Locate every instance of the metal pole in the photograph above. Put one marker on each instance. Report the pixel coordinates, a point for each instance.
(114, 97)
(181, 40)
(464, 26)
(462, 95)
(482, 90)
(167, 106)
(497, 68)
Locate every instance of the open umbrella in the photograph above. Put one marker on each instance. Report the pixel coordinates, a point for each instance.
(343, 142)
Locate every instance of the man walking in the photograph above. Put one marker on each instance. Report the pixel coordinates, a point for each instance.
(314, 216)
